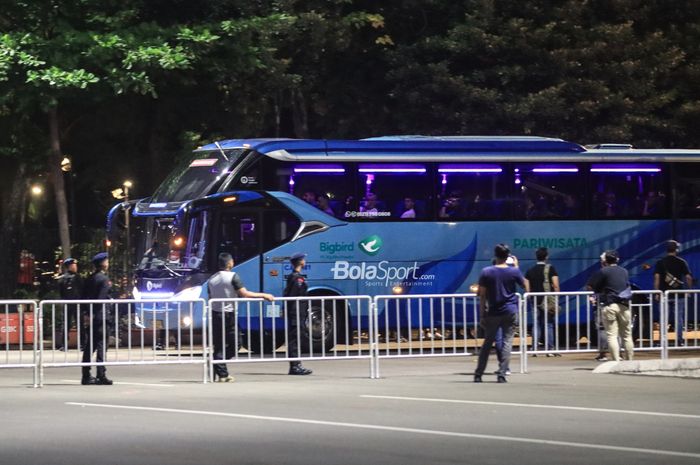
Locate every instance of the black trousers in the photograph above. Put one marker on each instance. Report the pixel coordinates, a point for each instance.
(293, 325)
(100, 342)
(224, 339)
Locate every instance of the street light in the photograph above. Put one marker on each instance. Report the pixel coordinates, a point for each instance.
(66, 165)
(127, 184)
(37, 190)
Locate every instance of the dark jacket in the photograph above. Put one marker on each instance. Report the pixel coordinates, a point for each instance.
(98, 287)
(70, 286)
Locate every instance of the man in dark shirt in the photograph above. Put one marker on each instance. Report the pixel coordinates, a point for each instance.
(296, 311)
(100, 318)
(546, 308)
(498, 305)
(673, 273)
(226, 284)
(70, 287)
(611, 284)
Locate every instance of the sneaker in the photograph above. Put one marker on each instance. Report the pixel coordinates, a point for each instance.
(299, 371)
(601, 358)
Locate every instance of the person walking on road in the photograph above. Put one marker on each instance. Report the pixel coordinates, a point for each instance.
(226, 284)
(498, 305)
(672, 273)
(100, 319)
(543, 277)
(70, 287)
(296, 312)
(612, 286)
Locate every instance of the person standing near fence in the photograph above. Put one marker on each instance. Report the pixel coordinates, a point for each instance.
(296, 312)
(612, 286)
(543, 277)
(70, 287)
(673, 273)
(498, 305)
(100, 319)
(226, 284)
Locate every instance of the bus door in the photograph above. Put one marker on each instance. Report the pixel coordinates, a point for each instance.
(239, 233)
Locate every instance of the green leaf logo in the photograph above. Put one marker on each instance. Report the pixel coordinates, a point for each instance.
(371, 245)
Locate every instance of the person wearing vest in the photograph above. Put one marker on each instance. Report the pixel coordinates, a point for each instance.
(543, 277)
(296, 311)
(673, 273)
(226, 284)
(70, 287)
(100, 319)
(612, 286)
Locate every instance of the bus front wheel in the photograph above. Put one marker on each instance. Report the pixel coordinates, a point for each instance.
(324, 327)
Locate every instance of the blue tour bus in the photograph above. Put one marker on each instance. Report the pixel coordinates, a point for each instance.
(410, 214)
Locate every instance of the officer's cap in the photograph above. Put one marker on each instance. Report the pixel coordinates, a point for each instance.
(99, 258)
(297, 256)
(68, 262)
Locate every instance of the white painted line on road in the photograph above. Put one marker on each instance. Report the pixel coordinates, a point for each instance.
(396, 429)
(74, 381)
(544, 406)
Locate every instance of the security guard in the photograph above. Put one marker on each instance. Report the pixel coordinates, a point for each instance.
(70, 287)
(296, 287)
(100, 318)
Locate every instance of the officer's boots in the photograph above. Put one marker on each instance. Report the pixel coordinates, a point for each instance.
(87, 379)
(102, 377)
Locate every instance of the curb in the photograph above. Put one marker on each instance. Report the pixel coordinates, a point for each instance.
(682, 368)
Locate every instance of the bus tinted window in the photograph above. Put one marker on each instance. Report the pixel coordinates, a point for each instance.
(280, 227)
(470, 191)
(547, 191)
(628, 191)
(392, 192)
(688, 190)
(238, 235)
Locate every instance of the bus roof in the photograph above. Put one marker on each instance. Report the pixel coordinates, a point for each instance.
(451, 148)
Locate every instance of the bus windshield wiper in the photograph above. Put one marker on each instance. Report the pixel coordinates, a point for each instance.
(218, 146)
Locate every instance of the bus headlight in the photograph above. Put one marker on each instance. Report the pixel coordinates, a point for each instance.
(186, 321)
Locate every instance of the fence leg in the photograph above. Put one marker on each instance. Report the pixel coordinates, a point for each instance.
(374, 339)
(523, 336)
(663, 330)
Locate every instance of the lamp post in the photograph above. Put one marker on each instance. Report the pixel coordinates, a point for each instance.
(67, 168)
(127, 184)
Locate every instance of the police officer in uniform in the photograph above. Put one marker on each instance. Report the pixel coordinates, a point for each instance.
(70, 287)
(296, 287)
(100, 318)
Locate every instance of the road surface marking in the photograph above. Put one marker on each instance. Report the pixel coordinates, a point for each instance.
(396, 429)
(75, 381)
(553, 407)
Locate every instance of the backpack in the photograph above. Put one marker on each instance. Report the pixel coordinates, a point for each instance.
(550, 302)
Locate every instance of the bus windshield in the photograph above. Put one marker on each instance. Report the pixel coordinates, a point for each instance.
(196, 176)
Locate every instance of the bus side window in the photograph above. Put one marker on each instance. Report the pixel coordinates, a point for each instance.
(472, 191)
(548, 191)
(688, 190)
(326, 186)
(628, 191)
(280, 227)
(393, 192)
(237, 235)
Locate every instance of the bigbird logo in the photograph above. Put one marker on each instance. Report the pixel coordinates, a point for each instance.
(371, 245)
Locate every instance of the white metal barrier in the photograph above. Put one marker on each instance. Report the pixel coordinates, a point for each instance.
(290, 329)
(430, 326)
(681, 319)
(138, 332)
(569, 322)
(18, 329)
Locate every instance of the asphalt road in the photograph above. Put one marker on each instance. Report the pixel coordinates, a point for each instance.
(424, 411)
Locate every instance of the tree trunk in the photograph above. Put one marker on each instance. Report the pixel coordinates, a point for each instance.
(12, 226)
(300, 115)
(59, 187)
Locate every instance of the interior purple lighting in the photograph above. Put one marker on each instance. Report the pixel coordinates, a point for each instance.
(624, 169)
(392, 169)
(470, 169)
(320, 169)
(552, 169)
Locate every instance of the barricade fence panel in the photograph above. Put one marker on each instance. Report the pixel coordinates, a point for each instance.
(18, 335)
(570, 322)
(682, 324)
(93, 333)
(290, 329)
(430, 326)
